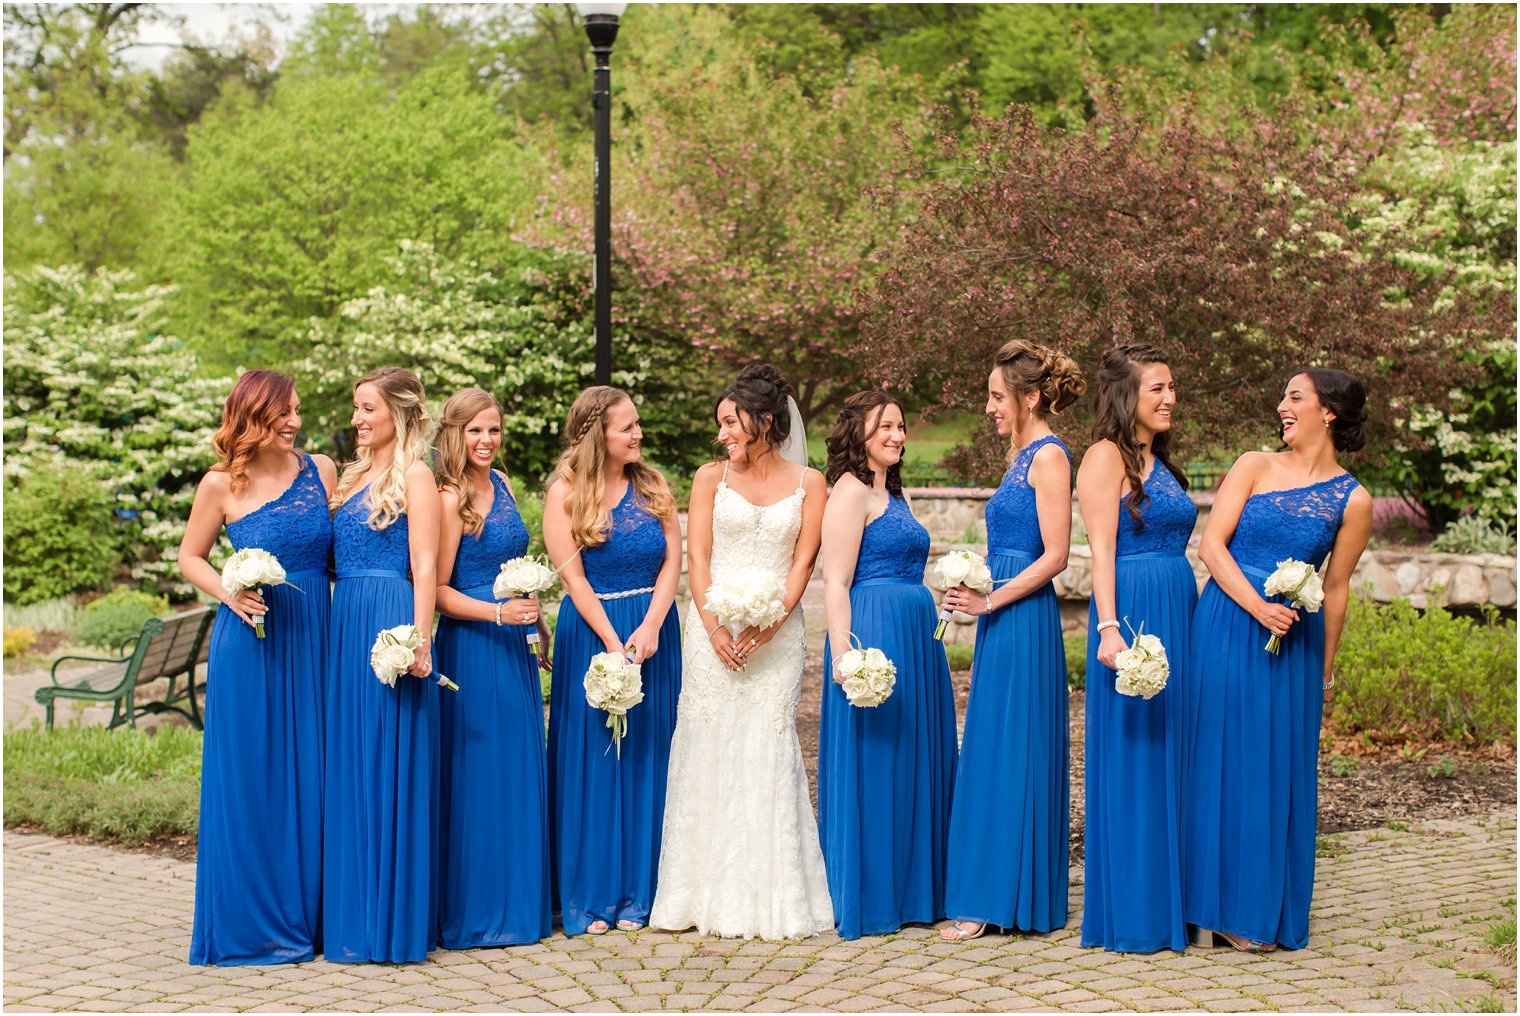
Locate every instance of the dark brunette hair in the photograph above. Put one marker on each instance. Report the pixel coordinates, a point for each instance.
(847, 444)
(1028, 367)
(760, 392)
(1118, 393)
(1342, 393)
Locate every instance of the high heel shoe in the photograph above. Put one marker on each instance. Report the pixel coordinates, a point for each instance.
(1207, 938)
(955, 933)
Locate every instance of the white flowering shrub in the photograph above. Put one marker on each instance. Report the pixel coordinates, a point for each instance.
(92, 384)
(521, 331)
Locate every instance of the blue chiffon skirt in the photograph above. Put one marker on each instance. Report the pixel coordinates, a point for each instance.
(258, 866)
(493, 788)
(1251, 768)
(380, 871)
(1132, 893)
(885, 773)
(607, 810)
(1010, 821)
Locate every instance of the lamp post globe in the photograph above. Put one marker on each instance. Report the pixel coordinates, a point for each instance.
(601, 21)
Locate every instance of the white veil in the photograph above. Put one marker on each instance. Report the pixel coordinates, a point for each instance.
(794, 448)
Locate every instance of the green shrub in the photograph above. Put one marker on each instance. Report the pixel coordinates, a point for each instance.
(59, 614)
(1076, 661)
(1430, 674)
(126, 786)
(531, 506)
(1473, 534)
(958, 655)
(117, 616)
(61, 535)
(18, 640)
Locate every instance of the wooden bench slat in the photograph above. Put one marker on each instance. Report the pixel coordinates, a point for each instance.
(99, 679)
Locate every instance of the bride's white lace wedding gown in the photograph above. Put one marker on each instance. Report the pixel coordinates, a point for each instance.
(740, 853)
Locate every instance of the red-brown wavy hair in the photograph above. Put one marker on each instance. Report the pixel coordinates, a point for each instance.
(249, 416)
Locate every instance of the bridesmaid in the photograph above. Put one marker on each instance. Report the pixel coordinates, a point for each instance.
(1138, 519)
(884, 773)
(1009, 821)
(258, 872)
(493, 786)
(1251, 757)
(610, 526)
(379, 877)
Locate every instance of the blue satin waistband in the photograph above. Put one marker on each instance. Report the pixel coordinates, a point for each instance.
(484, 591)
(372, 573)
(1155, 555)
(1260, 573)
(309, 573)
(885, 580)
(1011, 553)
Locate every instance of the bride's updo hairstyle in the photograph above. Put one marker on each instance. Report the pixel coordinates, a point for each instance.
(760, 392)
(402, 393)
(1344, 395)
(1028, 367)
(582, 465)
(860, 416)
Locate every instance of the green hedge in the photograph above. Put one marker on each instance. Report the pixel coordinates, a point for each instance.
(124, 786)
(1425, 674)
(117, 616)
(60, 535)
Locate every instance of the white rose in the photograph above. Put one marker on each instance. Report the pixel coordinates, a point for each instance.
(1129, 659)
(856, 688)
(850, 663)
(880, 682)
(398, 658)
(980, 578)
(953, 568)
(1151, 645)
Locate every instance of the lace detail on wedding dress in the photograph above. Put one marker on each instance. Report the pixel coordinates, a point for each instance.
(740, 853)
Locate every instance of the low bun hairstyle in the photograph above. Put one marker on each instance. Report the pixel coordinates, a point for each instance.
(760, 392)
(1118, 382)
(1343, 394)
(1028, 367)
(847, 444)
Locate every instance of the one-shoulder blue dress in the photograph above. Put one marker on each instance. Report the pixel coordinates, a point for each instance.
(1132, 891)
(258, 865)
(493, 784)
(885, 773)
(1010, 820)
(380, 871)
(1251, 759)
(607, 807)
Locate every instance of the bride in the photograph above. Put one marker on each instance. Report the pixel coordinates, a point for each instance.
(740, 853)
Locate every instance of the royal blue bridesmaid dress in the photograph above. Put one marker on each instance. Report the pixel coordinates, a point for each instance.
(380, 870)
(493, 783)
(1132, 892)
(1010, 821)
(608, 809)
(258, 868)
(885, 773)
(1251, 758)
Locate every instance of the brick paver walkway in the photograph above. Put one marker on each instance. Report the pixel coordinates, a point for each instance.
(1400, 920)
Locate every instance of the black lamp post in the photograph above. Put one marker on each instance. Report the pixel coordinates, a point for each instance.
(601, 21)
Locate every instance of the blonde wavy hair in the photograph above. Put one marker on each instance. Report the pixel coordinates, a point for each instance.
(1029, 367)
(582, 466)
(386, 497)
(451, 464)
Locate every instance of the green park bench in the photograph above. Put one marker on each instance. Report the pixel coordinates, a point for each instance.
(170, 647)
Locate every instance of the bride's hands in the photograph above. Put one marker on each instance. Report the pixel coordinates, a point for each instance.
(752, 638)
(723, 644)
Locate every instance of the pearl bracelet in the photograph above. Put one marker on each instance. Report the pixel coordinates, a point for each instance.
(1110, 623)
(498, 613)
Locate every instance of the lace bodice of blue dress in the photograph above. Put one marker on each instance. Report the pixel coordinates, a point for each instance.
(894, 545)
(294, 527)
(503, 537)
(1168, 515)
(1012, 521)
(357, 547)
(633, 552)
(1300, 523)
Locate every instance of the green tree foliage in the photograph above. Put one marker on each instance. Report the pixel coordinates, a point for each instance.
(295, 205)
(92, 383)
(61, 534)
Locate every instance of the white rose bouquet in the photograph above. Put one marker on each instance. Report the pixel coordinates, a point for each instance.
(866, 675)
(959, 568)
(250, 568)
(614, 685)
(1143, 667)
(393, 652)
(745, 597)
(1298, 583)
(524, 576)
